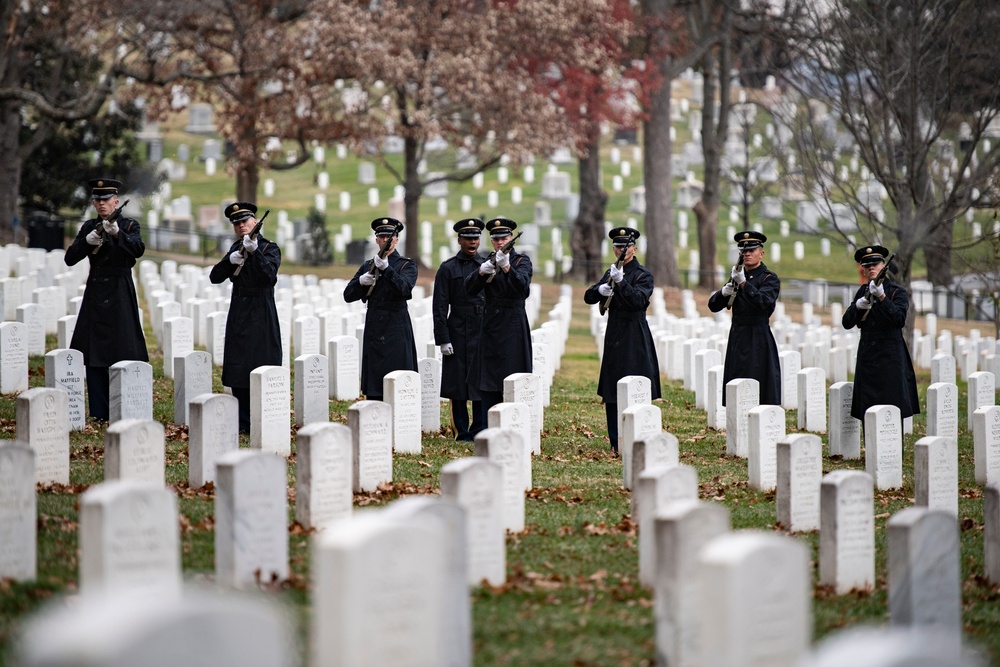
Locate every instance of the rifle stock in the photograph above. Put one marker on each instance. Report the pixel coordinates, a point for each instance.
(878, 281)
(114, 215)
(253, 234)
(505, 249)
(604, 305)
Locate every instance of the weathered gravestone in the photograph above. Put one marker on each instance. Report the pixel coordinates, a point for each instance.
(18, 513)
(652, 451)
(270, 403)
(986, 444)
(430, 394)
(885, 647)
(13, 357)
(656, 489)
(134, 451)
(402, 391)
(766, 426)
(506, 447)
(32, 316)
(129, 540)
(312, 392)
(884, 446)
(682, 529)
(345, 369)
(371, 444)
(192, 377)
(43, 425)
(935, 473)
(213, 431)
(526, 388)
(982, 393)
(742, 395)
(713, 398)
(380, 593)
(638, 422)
(198, 629)
(925, 575)
(251, 519)
(215, 334)
(943, 368)
(791, 363)
(812, 399)
(942, 410)
(631, 390)
(64, 370)
(845, 430)
(456, 622)
(517, 417)
(131, 392)
(475, 483)
(847, 531)
(991, 532)
(178, 341)
(799, 475)
(755, 600)
(323, 474)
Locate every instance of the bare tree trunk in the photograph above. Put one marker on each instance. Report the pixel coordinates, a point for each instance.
(10, 168)
(247, 181)
(706, 210)
(412, 191)
(588, 229)
(937, 253)
(660, 253)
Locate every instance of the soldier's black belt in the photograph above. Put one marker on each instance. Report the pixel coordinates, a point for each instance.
(478, 310)
(107, 271)
(387, 305)
(750, 319)
(506, 302)
(252, 291)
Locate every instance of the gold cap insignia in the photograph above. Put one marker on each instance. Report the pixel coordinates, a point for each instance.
(746, 235)
(100, 184)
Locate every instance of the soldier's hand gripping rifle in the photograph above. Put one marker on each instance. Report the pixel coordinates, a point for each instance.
(383, 252)
(604, 305)
(112, 217)
(505, 249)
(253, 235)
(732, 297)
(878, 281)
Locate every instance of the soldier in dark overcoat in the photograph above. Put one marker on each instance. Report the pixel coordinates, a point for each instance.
(751, 351)
(458, 318)
(628, 344)
(107, 327)
(385, 284)
(505, 339)
(884, 373)
(253, 335)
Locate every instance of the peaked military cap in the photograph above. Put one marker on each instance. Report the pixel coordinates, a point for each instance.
(386, 226)
(500, 227)
(749, 240)
(623, 236)
(872, 254)
(240, 211)
(103, 188)
(469, 228)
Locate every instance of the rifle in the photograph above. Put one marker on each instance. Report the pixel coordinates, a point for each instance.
(604, 305)
(878, 281)
(732, 297)
(253, 234)
(114, 215)
(505, 249)
(383, 251)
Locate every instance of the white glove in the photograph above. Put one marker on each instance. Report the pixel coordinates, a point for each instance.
(728, 289)
(94, 238)
(738, 276)
(487, 269)
(447, 349)
(876, 290)
(616, 274)
(605, 289)
(249, 244)
(111, 227)
(862, 304)
(237, 258)
(381, 263)
(367, 279)
(503, 261)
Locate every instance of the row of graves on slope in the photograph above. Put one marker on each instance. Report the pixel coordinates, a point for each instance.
(410, 565)
(700, 571)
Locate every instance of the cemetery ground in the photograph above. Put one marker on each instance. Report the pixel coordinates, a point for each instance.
(572, 595)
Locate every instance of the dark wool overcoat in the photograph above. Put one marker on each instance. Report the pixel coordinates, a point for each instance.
(458, 317)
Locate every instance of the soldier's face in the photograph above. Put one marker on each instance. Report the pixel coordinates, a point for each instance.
(498, 242)
(753, 257)
(243, 227)
(105, 206)
(872, 270)
(629, 253)
(382, 238)
(469, 245)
